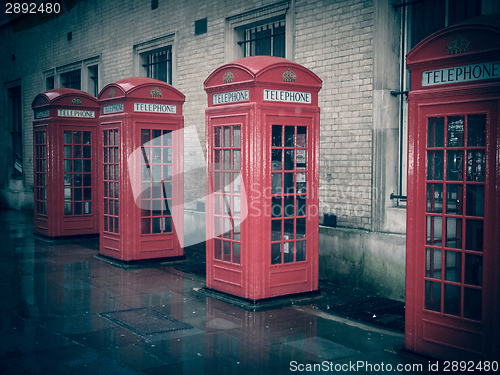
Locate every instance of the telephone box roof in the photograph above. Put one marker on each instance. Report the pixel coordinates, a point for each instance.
(265, 69)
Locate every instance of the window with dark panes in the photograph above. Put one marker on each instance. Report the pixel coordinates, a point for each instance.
(72, 80)
(158, 64)
(429, 16)
(265, 39)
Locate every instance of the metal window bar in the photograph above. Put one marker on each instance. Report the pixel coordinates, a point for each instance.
(265, 40)
(159, 65)
(72, 80)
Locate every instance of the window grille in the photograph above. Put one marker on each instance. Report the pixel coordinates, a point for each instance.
(268, 39)
(159, 65)
(72, 80)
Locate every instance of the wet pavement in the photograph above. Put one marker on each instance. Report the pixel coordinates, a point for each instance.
(64, 311)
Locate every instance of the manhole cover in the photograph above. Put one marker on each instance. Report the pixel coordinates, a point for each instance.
(144, 321)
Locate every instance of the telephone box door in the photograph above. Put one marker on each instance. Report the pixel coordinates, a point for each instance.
(453, 214)
(455, 248)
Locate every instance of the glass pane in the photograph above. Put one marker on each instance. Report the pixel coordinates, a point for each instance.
(433, 263)
(236, 136)
(86, 138)
(289, 209)
(217, 137)
(227, 159)
(68, 152)
(276, 183)
(301, 159)
(475, 200)
(277, 134)
(77, 137)
(432, 295)
(156, 225)
(68, 179)
(78, 194)
(167, 155)
(434, 230)
(436, 132)
(277, 162)
(456, 131)
(217, 249)
(217, 160)
(301, 228)
(288, 252)
(300, 249)
(68, 166)
(289, 136)
(77, 151)
(301, 205)
(67, 138)
(227, 136)
(68, 208)
(236, 252)
(454, 170)
(434, 197)
(289, 183)
(288, 229)
(157, 137)
(78, 179)
(167, 138)
(475, 166)
(474, 235)
(78, 165)
(77, 208)
(276, 253)
(276, 230)
(156, 154)
(301, 136)
(276, 209)
(227, 182)
(454, 232)
(87, 208)
(237, 160)
(236, 206)
(435, 165)
(226, 251)
(167, 224)
(145, 136)
(217, 181)
(454, 199)
(453, 270)
(473, 302)
(87, 166)
(473, 273)
(289, 160)
(67, 194)
(476, 130)
(452, 299)
(87, 152)
(237, 230)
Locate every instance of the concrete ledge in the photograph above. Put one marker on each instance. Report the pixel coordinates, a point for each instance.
(374, 261)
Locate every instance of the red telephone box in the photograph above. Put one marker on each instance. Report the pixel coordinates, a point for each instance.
(262, 132)
(453, 241)
(64, 135)
(141, 170)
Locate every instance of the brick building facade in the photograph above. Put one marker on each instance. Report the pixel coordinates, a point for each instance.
(356, 47)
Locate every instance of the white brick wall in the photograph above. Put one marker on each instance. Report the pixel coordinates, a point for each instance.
(332, 38)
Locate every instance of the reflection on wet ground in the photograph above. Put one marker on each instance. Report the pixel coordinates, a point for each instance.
(63, 311)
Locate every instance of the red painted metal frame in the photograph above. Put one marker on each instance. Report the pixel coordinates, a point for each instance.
(252, 276)
(123, 238)
(48, 156)
(436, 333)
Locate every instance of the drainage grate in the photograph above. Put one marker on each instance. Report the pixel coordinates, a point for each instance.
(144, 321)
